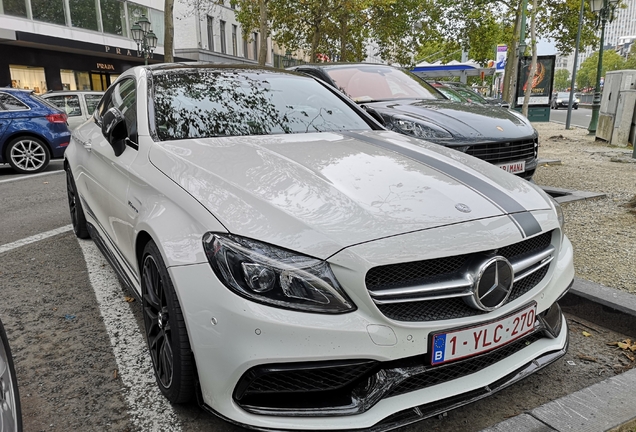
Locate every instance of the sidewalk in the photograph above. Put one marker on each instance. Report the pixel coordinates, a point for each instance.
(607, 406)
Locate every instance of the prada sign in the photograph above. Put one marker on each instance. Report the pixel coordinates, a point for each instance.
(105, 66)
(120, 51)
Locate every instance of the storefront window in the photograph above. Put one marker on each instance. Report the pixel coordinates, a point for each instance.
(28, 78)
(51, 11)
(83, 14)
(14, 7)
(113, 17)
(74, 80)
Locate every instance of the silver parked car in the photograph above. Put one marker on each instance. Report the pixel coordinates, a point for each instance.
(78, 105)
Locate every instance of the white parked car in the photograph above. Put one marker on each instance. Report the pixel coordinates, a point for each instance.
(304, 267)
(78, 105)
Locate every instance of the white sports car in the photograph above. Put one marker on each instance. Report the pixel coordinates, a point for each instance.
(299, 266)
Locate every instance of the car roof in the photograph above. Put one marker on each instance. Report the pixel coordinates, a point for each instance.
(70, 92)
(15, 90)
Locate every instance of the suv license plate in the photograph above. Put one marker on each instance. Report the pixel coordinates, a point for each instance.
(514, 167)
(467, 342)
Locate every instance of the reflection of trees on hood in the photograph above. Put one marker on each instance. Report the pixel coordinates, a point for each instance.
(211, 104)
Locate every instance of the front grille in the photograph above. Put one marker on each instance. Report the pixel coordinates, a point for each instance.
(426, 273)
(444, 373)
(501, 152)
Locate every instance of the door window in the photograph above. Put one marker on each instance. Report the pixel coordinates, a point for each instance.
(70, 104)
(92, 100)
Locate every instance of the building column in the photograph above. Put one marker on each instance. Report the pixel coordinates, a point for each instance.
(53, 78)
(5, 75)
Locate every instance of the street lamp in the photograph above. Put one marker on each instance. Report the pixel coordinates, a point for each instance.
(605, 11)
(145, 38)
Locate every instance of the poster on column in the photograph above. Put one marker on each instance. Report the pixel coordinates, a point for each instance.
(541, 82)
(502, 54)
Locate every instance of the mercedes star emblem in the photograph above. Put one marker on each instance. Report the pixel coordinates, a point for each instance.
(462, 208)
(492, 284)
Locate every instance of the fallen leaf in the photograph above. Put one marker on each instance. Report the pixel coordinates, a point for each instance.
(623, 345)
(612, 343)
(630, 357)
(586, 334)
(588, 358)
(115, 374)
(129, 299)
(45, 182)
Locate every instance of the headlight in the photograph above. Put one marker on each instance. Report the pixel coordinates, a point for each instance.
(417, 129)
(275, 276)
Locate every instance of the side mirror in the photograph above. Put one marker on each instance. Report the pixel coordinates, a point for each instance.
(114, 130)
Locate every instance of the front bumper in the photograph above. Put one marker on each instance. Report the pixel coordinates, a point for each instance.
(231, 336)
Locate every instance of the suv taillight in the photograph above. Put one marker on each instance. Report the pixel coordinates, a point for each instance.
(57, 118)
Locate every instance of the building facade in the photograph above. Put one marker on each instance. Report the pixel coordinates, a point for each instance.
(72, 44)
(213, 34)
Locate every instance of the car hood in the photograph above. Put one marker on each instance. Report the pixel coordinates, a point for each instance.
(472, 122)
(318, 193)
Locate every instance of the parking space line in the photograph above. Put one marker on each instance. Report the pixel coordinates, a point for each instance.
(30, 176)
(148, 409)
(35, 238)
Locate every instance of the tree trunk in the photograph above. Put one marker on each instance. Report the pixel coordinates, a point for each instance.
(533, 64)
(510, 71)
(343, 38)
(315, 39)
(264, 30)
(168, 35)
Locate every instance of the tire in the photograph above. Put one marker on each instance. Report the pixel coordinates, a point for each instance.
(75, 207)
(166, 333)
(28, 155)
(10, 409)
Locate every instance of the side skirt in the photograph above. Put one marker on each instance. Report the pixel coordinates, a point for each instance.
(110, 257)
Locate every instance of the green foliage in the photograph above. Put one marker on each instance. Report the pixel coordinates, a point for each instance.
(561, 79)
(586, 76)
(559, 19)
(630, 63)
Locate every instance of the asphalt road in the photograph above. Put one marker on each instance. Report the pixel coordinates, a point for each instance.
(580, 117)
(80, 352)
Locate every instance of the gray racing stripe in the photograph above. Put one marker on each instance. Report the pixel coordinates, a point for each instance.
(524, 220)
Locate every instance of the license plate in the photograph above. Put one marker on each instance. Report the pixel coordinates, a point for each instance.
(467, 342)
(514, 167)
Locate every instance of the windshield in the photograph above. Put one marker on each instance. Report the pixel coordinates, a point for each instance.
(367, 83)
(202, 103)
(564, 95)
(470, 95)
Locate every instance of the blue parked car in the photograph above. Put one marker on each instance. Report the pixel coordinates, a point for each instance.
(32, 131)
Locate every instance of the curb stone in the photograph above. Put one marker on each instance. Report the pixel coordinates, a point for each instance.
(604, 406)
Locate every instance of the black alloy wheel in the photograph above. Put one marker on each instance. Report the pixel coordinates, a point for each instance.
(166, 334)
(75, 207)
(10, 411)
